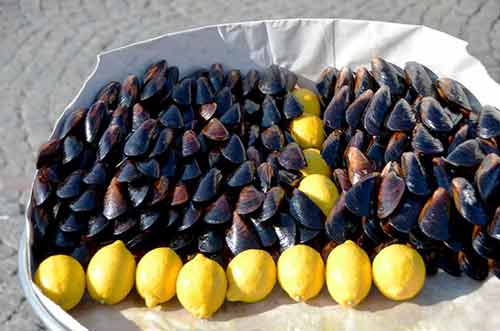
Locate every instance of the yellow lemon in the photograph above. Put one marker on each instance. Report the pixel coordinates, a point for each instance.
(62, 279)
(251, 276)
(348, 274)
(156, 275)
(307, 131)
(111, 273)
(399, 272)
(301, 272)
(201, 286)
(321, 190)
(309, 100)
(315, 163)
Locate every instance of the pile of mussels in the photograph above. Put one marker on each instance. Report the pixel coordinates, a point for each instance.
(206, 164)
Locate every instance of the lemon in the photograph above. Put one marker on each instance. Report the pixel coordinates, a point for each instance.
(156, 275)
(201, 286)
(62, 279)
(315, 163)
(321, 190)
(301, 272)
(251, 276)
(309, 100)
(307, 131)
(111, 273)
(399, 272)
(348, 274)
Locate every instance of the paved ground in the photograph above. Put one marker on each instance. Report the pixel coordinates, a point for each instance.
(48, 47)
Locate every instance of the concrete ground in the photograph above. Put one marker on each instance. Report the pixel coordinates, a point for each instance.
(48, 47)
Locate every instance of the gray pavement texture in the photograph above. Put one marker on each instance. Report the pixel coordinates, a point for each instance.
(48, 47)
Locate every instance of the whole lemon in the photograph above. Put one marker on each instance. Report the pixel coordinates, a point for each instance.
(301, 272)
(251, 276)
(399, 272)
(156, 275)
(62, 279)
(315, 163)
(111, 273)
(309, 100)
(321, 190)
(201, 286)
(307, 131)
(348, 274)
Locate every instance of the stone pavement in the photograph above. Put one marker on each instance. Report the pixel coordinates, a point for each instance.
(48, 47)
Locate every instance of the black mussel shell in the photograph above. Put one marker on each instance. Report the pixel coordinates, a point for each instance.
(149, 168)
(96, 226)
(159, 190)
(272, 203)
(359, 199)
(234, 151)
(97, 175)
(158, 67)
(415, 174)
(232, 116)
(266, 176)
(253, 135)
(214, 157)
(354, 113)
(72, 122)
(377, 111)
(292, 158)
(306, 235)
(473, 265)
(421, 79)
(172, 118)
(341, 179)
(273, 81)
(148, 219)
(326, 84)
(191, 170)
(180, 195)
(494, 226)
(305, 211)
(254, 155)
(72, 148)
(292, 108)
(435, 117)
(190, 143)
(158, 87)
(210, 242)
(95, 121)
(392, 232)
(363, 82)
(233, 81)
(243, 175)
(460, 136)
(190, 218)
(488, 146)
(457, 95)
(447, 261)
(273, 138)
(219, 211)
(372, 229)
(208, 186)
(139, 116)
(49, 152)
(265, 232)
(386, 74)
(341, 224)
(467, 202)
(240, 236)
(358, 165)
(88, 201)
(182, 241)
(251, 108)
(183, 93)
(286, 231)
(334, 116)
(489, 122)
(332, 149)
(270, 113)
(423, 142)
(124, 226)
(485, 246)
(402, 117)
(71, 186)
(344, 78)
(115, 203)
(396, 146)
(42, 188)
(163, 141)
(422, 242)
(441, 175)
(434, 218)
(203, 91)
(71, 223)
(249, 200)
(250, 82)
(289, 178)
(63, 239)
(138, 143)
(137, 193)
(467, 154)
(81, 253)
(405, 218)
(109, 94)
(130, 91)
(215, 130)
(488, 177)
(376, 153)
(391, 190)
(109, 141)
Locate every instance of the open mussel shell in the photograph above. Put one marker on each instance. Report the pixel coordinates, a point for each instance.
(208, 186)
(473, 265)
(423, 141)
(332, 149)
(265, 232)
(420, 78)
(272, 138)
(115, 203)
(95, 121)
(489, 122)
(457, 95)
(341, 224)
(286, 230)
(360, 197)
(467, 203)
(434, 218)
(215, 130)
(334, 116)
(234, 151)
(391, 190)
(387, 74)
(249, 200)
(354, 112)
(240, 236)
(292, 158)
(210, 242)
(272, 203)
(402, 117)
(305, 211)
(71, 186)
(415, 175)
(138, 143)
(488, 177)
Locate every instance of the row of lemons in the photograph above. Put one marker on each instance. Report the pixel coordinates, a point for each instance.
(202, 286)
